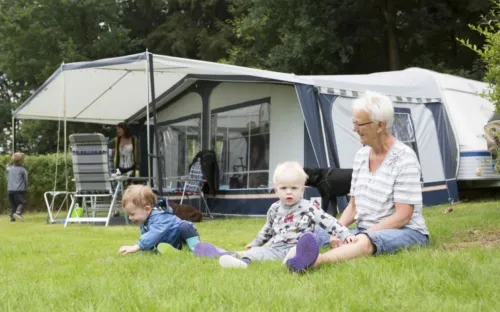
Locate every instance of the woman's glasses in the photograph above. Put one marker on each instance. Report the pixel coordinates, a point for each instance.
(357, 125)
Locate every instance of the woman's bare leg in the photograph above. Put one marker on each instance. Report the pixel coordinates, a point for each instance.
(361, 248)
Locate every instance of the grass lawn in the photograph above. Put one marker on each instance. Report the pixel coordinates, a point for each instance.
(50, 268)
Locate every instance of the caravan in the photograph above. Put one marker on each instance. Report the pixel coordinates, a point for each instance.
(255, 119)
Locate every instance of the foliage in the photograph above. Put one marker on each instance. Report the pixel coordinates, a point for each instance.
(308, 38)
(41, 178)
(193, 29)
(490, 51)
(36, 37)
(301, 37)
(5, 113)
(489, 28)
(348, 37)
(49, 267)
(38, 137)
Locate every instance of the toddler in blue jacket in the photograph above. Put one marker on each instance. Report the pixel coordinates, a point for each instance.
(160, 228)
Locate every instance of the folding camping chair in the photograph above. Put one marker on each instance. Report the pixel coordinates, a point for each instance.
(92, 179)
(51, 205)
(192, 185)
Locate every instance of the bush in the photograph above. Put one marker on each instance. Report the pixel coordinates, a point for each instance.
(41, 174)
(489, 52)
(497, 161)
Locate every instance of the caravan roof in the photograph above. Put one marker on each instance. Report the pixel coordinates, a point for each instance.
(411, 82)
(116, 89)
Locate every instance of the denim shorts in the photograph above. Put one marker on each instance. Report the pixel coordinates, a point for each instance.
(385, 241)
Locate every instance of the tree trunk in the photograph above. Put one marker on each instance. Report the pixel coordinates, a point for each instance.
(387, 7)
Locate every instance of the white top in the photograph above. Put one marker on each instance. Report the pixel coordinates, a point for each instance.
(126, 156)
(397, 180)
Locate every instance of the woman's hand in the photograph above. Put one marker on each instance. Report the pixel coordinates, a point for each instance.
(351, 239)
(335, 241)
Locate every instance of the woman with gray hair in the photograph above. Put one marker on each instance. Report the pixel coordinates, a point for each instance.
(386, 194)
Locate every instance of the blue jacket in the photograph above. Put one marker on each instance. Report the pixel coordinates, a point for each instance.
(162, 226)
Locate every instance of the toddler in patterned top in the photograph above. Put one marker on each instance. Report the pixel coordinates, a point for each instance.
(288, 219)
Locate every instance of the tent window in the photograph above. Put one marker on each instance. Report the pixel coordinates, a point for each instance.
(404, 130)
(241, 139)
(179, 143)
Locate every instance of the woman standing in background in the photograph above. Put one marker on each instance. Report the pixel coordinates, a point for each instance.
(125, 151)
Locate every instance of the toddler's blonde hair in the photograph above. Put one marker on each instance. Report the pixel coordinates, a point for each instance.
(17, 158)
(139, 195)
(290, 171)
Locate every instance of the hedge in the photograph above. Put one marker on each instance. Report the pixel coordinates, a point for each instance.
(41, 174)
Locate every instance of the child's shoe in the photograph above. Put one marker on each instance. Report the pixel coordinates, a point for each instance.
(228, 261)
(164, 248)
(306, 253)
(207, 250)
(18, 216)
(12, 219)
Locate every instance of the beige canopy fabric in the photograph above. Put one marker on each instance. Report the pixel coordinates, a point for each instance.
(112, 90)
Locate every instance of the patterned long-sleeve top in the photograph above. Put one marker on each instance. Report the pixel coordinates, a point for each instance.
(285, 225)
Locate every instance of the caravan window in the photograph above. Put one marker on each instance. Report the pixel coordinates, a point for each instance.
(179, 142)
(404, 130)
(241, 140)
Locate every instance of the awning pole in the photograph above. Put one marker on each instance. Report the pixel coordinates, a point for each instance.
(148, 133)
(65, 132)
(14, 147)
(324, 134)
(157, 139)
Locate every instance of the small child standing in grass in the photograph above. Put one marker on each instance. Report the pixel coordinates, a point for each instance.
(160, 228)
(17, 185)
(287, 220)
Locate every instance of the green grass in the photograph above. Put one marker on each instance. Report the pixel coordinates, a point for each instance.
(51, 268)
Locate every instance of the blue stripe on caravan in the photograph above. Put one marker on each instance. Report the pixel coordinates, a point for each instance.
(258, 201)
(242, 191)
(475, 154)
(434, 183)
(437, 197)
(259, 206)
(241, 206)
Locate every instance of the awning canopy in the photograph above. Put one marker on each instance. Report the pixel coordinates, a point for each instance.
(112, 90)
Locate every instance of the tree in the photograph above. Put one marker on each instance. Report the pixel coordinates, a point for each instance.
(490, 51)
(429, 30)
(5, 115)
(315, 37)
(192, 29)
(9, 97)
(389, 13)
(36, 36)
(348, 36)
(142, 17)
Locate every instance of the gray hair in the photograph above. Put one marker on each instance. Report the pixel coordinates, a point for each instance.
(378, 106)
